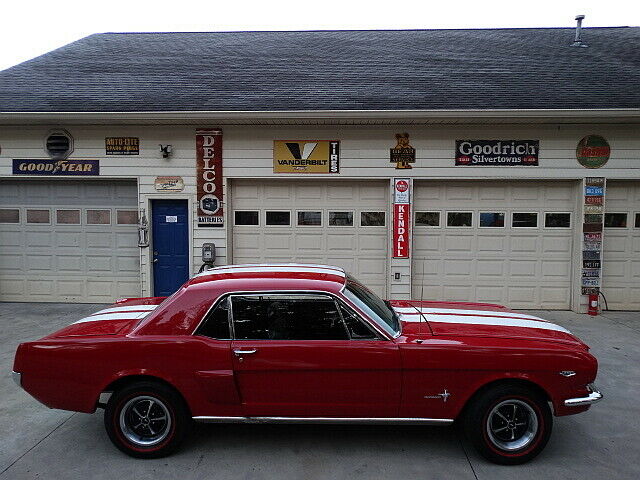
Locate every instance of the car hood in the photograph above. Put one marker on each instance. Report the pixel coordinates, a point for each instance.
(118, 318)
(479, 319)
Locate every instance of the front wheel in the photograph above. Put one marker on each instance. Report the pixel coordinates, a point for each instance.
(146, 420)
(509, 424)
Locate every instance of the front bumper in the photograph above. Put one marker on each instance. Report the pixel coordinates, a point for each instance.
(593, 397)
(17, 377)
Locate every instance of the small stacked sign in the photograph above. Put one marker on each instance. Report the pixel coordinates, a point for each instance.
(594, 188)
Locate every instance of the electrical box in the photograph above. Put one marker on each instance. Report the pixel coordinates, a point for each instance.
(209, 253)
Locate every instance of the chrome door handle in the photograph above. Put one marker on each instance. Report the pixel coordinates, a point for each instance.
(245, 352)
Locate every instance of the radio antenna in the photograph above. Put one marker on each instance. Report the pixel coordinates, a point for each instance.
(419, 310)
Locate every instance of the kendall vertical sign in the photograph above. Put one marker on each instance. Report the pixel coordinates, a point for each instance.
(209, 177)
(401, 217)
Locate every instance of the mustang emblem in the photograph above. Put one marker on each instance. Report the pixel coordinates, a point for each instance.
(444, 396)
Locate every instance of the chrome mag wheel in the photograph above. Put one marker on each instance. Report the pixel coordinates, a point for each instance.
(512, 425)
(145, 421)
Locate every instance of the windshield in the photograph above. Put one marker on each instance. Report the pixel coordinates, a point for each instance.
(372, 305)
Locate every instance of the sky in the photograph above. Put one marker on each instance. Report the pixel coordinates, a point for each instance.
(30, 28)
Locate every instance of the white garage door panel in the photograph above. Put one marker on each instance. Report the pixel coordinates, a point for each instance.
(621, 253)
(519, 267)
(56, 262)
(359, 250)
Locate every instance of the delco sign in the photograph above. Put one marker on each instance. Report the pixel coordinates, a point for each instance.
(401, 217)
(209, 177)
(497, 153)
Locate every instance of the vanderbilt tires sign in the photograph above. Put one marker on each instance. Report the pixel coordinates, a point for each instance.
(306, 156)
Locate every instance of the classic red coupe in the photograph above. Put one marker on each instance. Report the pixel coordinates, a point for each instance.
(309, 343)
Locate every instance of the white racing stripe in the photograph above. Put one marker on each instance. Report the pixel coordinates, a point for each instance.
(461, 311)
(471, 320)
(127, 308)
(113, 316)
(273, 269)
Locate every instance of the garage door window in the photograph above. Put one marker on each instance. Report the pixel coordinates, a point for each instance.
(246, 217)
(9, 215)
(615, 220)
(491, 219)
(459, 219)
(637, 224)
(341, 219)
(372, 219)
(309, 219)
(127, 217)
(98, 217)
(524, 220)
(38, 216)
(68, 217)
(279, 218)
(427, 219)
(557, 220)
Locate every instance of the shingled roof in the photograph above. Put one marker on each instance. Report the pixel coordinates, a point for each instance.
(331, 70)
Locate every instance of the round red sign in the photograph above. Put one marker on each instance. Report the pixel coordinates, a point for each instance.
(402, 186)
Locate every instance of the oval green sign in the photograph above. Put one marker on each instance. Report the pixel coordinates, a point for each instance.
(593, 151)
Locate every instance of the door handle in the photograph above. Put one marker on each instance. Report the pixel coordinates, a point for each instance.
(245, 352)
(155, 260)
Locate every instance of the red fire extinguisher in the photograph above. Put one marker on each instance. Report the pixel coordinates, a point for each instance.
(593, 304)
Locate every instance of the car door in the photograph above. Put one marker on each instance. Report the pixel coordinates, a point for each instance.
(305, 355)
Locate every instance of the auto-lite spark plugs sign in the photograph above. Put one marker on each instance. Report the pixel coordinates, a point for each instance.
(401, 217)
(503, 153)
(209, 172)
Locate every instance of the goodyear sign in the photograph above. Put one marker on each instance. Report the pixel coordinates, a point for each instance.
(56, 167)
(306, 156)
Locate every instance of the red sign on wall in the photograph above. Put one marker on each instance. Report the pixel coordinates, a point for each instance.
(209, 174)
(401, 217)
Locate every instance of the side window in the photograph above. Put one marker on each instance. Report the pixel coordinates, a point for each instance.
(287, 317)
(358, 330)
(216, 324)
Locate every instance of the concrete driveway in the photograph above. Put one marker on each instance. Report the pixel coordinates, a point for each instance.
(602, 443)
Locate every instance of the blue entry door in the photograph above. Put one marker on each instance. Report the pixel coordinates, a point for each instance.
(170, 242)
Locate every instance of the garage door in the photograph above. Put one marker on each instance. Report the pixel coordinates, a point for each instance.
(70, 241)
(335, 223)
(500, 242)
(621, 251)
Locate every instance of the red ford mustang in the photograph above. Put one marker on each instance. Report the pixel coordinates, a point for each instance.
(308, 343)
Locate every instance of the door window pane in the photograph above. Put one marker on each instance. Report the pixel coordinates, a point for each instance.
(279, 218)
(490, 219)
(127, 217)
(615, 220)
(98, 217)
(459, 219)
(520, 220)
(9, 215)
(37, 216)
(372, 219)
(358, 330)
(71, 217)
(310, 219)
(557, 220)
(637, 224)
(287, 317)
(246, 217)
(427, 219)
(341, 219)
(216, 325)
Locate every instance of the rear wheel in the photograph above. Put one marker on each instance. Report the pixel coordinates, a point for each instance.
(146, 420)
(509, 424)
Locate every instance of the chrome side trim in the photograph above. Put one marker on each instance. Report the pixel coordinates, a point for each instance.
(17, 378)
(327, 420)
(593, 397)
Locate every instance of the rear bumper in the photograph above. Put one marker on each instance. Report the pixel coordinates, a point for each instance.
(593, 397)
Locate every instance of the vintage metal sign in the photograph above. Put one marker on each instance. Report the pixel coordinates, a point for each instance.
(591, 255)
(591, 272)
(591, 264)
(596, 191)
(591, 227)
(591, 236)
(209, 177)
(593, 246)
(122, 145)
(594, 209)
(590, 282)
(56, 167)
(401, 217)
(168, 184)
(306, 156)
(594, 181)
(403, 154)
(503, 153)
(590, 290)
(593, 200)
(593, 151)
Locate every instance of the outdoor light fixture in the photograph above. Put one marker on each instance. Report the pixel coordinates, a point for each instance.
(166, 150)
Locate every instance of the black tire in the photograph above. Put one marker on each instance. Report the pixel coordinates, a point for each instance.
(134, 420)
(508, 424)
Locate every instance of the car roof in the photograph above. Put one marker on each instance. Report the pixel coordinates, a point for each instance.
(277, 272)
